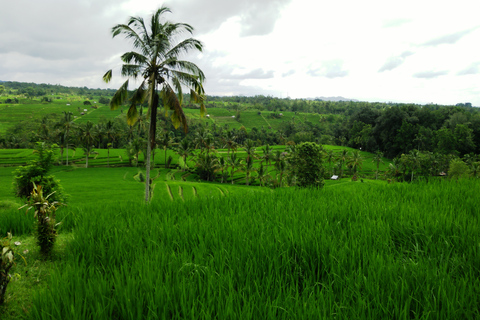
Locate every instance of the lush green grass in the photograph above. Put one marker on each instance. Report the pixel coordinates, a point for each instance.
(349, 251)
(31, 273)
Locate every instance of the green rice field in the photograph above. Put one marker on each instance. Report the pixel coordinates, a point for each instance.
(34, 109)
(351, 250)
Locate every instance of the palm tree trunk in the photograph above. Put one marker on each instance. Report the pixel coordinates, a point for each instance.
(153, 157)
(147, 179)
(165, 148)
(151, 133)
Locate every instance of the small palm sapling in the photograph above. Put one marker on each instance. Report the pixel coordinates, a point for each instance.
(45, 213)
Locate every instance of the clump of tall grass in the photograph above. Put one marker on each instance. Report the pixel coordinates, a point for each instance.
(350, 251)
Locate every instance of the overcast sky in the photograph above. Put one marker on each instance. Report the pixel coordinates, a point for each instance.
(404, 51)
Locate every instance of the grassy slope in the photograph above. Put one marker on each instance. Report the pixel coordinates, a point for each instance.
(98, 183)
(250, 118)
(107, 185)
(34, 109)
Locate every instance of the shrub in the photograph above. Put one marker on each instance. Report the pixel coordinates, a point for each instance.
(207, 165)
(104, 100)
(307, 164)
(36, 173)
(458, 169)
(6, 262)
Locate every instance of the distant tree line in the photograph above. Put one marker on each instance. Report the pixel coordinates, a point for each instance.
(393, 129)
(37, 90)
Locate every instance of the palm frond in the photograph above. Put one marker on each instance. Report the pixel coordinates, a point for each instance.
(171, 102)
(184, 66)
(129, 33)
(200, 99)
(139, 24)
(119, 97)
(140, 94)
(155, 21)
(132, 115)
(131, 70)
(178, 86)
(135, 57)
(184, 47)
(187, 80)
(177, 29)
(107, 76)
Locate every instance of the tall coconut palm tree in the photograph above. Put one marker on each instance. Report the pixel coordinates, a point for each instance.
(250, 149)
(355, 161)
(207, 166)
(343, 157)
(235, 164)
(163, 76)
(87, 138)
(184, 149)
(267, 155)
(165, 140)
(44, 131)
(263, 175)
(413, 160)
(330, 157)
(377, 159)
(223, 166)
(110, 132)
(248, 167)
(66, 124)
(281, 167)
(202, 136)
(229, 141)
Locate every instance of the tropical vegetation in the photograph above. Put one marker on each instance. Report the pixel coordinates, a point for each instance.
(264, 208)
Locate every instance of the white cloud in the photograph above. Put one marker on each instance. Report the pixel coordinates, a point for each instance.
(395, 61)
(372, 50)
(451, 38)
(472, 69)
(430, 74)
